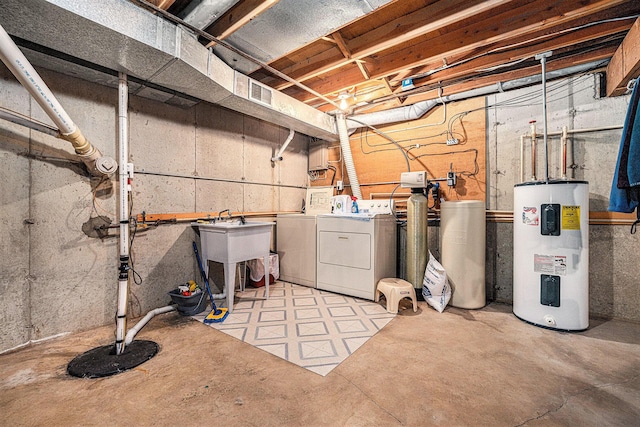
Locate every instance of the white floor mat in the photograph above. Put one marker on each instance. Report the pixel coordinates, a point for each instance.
(311, 328)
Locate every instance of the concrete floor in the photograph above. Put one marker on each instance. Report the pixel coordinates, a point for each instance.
(458, 368)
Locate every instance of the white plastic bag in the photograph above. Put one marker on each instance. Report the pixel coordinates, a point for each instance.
(435, 286)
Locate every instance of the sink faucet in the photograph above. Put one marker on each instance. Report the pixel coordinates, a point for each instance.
(221, 212)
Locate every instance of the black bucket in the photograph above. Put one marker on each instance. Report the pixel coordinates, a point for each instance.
(189, 305)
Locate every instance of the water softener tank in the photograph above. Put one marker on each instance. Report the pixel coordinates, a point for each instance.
(551, 253)
(417, 246)
(463, 237)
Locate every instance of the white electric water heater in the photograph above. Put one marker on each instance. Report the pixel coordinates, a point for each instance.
(551, 254)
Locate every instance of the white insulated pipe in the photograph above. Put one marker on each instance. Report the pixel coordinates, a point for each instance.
(123, 157)
(14, 59)
(417, 110)
(346, 155)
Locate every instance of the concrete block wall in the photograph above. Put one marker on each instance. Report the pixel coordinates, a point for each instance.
(55, 279)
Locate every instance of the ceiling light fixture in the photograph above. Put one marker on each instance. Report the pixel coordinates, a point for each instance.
(344, 96)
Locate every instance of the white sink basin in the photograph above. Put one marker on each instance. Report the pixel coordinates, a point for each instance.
(232, 241)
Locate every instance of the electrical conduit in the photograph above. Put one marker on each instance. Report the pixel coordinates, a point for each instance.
(18, 64)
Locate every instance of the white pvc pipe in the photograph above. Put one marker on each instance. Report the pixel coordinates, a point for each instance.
(14, 59)
(284, 146)
(346, 155)
(31, 80)
(150, 315)
(123, 150)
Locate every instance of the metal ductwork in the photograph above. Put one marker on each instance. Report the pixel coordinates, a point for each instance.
(119, 36)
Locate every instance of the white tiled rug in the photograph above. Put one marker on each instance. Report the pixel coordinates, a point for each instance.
(313, 329)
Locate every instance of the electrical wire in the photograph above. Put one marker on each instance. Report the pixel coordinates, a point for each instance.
(335, 171)
(137, 279)
(468, 150)
(528, 43)
(393, 211)
(94, 202)
(384, 135)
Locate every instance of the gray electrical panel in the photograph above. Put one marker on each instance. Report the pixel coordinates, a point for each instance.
(318, 157)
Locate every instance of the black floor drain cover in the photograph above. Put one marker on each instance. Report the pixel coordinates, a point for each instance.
(103, 361)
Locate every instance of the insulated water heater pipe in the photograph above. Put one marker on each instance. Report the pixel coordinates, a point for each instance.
(14, 59)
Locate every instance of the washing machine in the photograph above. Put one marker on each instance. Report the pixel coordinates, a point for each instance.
(355, 251)
(296, 238)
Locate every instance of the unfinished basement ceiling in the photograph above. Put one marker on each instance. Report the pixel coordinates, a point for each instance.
(368, 47)
(312, 52)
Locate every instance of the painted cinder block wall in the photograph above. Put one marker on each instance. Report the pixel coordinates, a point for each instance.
(55, 279)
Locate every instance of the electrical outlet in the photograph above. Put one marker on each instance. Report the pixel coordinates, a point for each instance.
(340, 186)
(452, 141)
(451, 179)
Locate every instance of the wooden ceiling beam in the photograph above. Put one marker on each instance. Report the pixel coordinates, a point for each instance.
(162, 4)
(437, 44)
(339, 41)
(470, 65)
(477, 36)
(558, 64)
(625, 63)
(237, 16)
(501, 56)
(530, 42)
(401, 30)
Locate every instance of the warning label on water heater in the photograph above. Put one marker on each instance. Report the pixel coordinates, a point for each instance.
(530, 215)
(571, 217)
(550, 264)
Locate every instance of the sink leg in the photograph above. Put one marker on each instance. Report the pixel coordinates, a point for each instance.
(267, 269)
(230, 282)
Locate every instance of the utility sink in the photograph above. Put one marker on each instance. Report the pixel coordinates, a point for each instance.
(233, 241)
(230, 242)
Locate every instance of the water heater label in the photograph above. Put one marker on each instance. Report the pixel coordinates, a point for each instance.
(530, 215)
(571, 217)
(550, 264)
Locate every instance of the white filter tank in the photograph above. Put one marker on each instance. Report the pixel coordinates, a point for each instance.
(551, 253)
(463, 236)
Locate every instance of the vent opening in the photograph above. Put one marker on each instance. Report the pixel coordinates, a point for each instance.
(260, 93)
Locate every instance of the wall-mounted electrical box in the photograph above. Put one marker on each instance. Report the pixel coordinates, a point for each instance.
(318, 157)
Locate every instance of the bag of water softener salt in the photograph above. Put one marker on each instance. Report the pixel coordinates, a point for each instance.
(435, 286)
